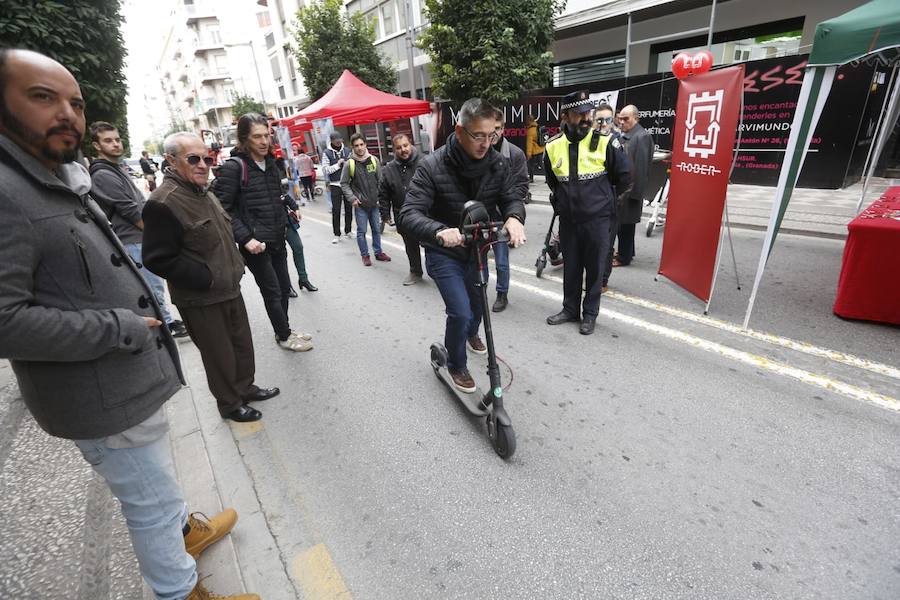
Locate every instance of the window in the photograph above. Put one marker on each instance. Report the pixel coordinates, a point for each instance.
(214, 36)
(221, 63)
(372, 18)
(281, 92)
(263, 19)
(270, 40)
(276, 68)
(388, 19)
(590, 70)
(770, 40)
(401, 12)
(292, 73)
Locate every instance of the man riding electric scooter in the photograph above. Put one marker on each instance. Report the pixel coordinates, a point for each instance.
(465, 168)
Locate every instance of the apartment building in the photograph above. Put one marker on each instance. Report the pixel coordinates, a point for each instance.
(212, 52)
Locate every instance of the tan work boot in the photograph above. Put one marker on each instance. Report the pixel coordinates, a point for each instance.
(205, 532)
(201, 593)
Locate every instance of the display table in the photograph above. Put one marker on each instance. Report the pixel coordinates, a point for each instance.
(869, 286)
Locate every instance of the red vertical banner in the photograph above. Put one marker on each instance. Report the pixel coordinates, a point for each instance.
(706, 121)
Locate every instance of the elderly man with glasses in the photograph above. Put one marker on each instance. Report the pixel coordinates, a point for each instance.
(188, 241)
(466, 168)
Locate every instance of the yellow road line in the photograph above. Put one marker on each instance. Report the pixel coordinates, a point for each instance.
(319, 576)
(754, 360)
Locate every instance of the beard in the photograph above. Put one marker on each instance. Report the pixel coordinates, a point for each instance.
(34, 139)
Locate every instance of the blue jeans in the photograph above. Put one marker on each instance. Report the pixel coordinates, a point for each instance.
(501, 260)
(456, 281)
(154, 281)
(370, 216)
(143, 480)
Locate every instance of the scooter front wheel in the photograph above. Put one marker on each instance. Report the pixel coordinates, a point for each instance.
(503, 438)
(539, 266)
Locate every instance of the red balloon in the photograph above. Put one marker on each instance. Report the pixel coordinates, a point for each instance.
(702, 61)
(682, 65)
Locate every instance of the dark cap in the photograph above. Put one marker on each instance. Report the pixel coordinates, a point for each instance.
(579, 101)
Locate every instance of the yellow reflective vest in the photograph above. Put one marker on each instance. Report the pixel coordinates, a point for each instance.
(583, 175)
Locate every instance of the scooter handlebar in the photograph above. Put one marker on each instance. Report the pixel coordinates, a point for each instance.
(495, 226)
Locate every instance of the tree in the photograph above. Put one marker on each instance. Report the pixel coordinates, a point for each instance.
(246, 104)
(329, 40)
(489, 49)
(84, 36)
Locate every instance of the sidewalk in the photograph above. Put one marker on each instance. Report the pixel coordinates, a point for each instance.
(64, 536)
(818, 213)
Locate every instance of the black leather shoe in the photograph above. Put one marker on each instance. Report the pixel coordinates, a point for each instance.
(587, 326)
(500, 303)
(244, 414)
(292, 293)
(560, 318)
(261, 394)
(308, 286)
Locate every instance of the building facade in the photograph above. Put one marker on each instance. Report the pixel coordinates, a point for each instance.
(291, 94)
(213, 52)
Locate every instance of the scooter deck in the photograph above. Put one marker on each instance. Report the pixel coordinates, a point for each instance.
(472, 401)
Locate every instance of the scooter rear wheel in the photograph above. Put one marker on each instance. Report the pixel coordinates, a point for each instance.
(503, 438)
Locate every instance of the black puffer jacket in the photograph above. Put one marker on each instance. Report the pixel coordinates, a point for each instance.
(255, 204)
(395, 179)
(436, 198)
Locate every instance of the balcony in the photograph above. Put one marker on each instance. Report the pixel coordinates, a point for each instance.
(199, 11)
(212, 103)
(206, 46)
(209, 77)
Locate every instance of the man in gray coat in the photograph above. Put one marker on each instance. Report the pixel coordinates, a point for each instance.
(81, 327)
(639, 148)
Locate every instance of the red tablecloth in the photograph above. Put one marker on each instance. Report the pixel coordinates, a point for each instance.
(869, 286)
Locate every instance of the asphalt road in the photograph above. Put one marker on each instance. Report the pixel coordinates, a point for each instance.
(666, 456)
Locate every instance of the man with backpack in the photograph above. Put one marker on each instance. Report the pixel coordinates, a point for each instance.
(359, 183)
(123, 202)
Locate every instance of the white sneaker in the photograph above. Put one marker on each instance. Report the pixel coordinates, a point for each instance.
(347, 235)
(302, 336)
(295, 344)
(335, 240)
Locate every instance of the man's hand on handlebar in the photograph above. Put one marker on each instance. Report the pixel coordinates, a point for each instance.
(516, 232)
(450, 238)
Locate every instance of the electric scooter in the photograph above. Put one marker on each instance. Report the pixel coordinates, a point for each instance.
(480, 234)
(541, 261)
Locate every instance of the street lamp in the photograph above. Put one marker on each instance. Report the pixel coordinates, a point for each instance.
(262, 94)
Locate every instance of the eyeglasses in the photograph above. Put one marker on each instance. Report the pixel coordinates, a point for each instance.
(194, 160)
(604, 120)
(482, 137)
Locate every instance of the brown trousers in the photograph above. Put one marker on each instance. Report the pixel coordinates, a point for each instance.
(222, 334)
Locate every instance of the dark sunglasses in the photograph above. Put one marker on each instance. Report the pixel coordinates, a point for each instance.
(194, 160)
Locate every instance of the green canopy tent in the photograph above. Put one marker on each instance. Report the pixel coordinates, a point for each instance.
(871, 34)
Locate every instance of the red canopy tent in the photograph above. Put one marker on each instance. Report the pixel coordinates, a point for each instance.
(352, 102)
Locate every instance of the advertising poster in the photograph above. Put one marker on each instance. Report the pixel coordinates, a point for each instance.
(706, 121)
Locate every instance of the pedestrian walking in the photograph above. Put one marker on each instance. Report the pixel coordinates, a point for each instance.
(534, 148)
(395, 180)
(149, 169)
(304, 165)
(465, 168)
(605, 123)
(249, 188)
(424, 140)
(123, 202)
(359, 182)
(639, 147)
(582, 168)
(81, 328)
(519, 168)
(333, 160)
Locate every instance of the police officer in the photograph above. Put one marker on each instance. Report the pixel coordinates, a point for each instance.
(582, 168)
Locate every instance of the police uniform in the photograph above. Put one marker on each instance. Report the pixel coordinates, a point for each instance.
(582, 174)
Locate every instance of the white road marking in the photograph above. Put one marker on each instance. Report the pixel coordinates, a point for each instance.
(754, 360)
